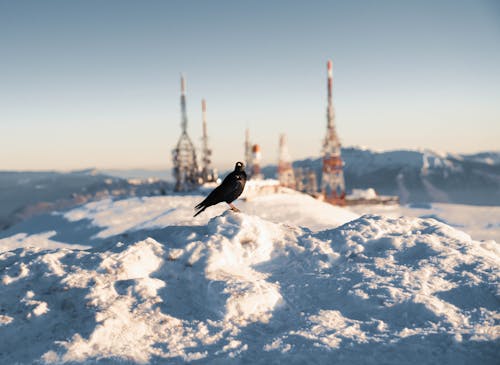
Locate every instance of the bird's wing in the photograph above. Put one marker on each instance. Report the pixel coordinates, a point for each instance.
(211, 199)
(232, 189)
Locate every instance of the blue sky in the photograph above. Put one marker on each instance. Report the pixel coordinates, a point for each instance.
(96, 83)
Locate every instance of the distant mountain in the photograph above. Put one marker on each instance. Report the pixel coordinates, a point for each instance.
(24, 193)
(165, 174)
(418, 176)
(489, 158)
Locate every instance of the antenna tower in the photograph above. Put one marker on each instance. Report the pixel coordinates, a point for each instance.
(285, 172)
(256, 158)
(332, 181)
(248, 153)
(208, 174)
(184, 154)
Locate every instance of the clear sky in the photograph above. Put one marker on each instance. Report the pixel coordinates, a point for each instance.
(96, 83)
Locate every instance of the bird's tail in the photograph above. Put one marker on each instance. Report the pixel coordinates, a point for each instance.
(201, 210)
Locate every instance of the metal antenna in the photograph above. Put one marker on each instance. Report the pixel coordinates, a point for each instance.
(184, 154)
(332, 181)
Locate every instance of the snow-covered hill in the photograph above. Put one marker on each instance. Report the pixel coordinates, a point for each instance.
(139, 281)
(482, 223)
(419, 176)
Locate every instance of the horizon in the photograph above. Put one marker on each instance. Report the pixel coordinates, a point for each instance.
(97, 85)
(230, 166)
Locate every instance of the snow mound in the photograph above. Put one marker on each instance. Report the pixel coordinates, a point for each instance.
(298, 209)
(243, 289)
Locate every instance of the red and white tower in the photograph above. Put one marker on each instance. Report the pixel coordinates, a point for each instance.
(332, 181)
(285, 171)
(256, 158)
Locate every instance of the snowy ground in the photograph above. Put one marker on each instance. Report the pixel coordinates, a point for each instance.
(140, 281)
(480, 222)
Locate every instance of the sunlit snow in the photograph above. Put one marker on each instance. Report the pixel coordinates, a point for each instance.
(290, 279)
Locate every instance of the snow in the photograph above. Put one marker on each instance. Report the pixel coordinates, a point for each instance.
(299, 210)
(41, 241)
(152, 212)
(290, 279)
(363, 194)
(481, 222)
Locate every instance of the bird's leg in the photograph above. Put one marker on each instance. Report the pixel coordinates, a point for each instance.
(233, 208)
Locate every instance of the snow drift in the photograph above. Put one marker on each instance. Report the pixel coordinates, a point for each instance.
(244, 289)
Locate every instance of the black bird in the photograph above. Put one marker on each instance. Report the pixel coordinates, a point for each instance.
(232, 186)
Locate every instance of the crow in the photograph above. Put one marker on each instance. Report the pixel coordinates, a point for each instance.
(230, 189)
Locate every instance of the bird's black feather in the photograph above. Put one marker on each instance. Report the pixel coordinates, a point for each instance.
(229, 190)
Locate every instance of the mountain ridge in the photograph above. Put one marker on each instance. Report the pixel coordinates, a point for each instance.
(417, 176)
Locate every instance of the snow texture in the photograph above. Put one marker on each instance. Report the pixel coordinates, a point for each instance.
(158, 286)
(480, 222)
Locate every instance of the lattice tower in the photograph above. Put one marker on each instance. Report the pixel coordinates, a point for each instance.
(184, 154)
(286, 176)
(332, 181)
(208, 173)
